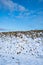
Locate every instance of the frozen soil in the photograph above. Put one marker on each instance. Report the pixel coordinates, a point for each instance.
(21, 48)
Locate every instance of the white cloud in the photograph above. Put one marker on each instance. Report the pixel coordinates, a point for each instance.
(12, 7)
(7, 4)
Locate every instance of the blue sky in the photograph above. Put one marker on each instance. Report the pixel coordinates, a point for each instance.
(21, 15)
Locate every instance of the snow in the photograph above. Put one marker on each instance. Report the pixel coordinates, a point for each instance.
(23, 49)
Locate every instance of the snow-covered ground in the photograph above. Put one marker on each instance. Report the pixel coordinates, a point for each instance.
(21, 48)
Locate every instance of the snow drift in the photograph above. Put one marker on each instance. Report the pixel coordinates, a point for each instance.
(21, 48)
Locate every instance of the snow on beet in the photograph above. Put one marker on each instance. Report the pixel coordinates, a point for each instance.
(21, 48)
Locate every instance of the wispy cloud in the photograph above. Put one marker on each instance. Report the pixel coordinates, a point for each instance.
(7, 4)
(12, 7)
(2, 29)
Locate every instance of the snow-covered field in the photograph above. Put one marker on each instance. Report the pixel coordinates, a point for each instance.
(21, 48)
